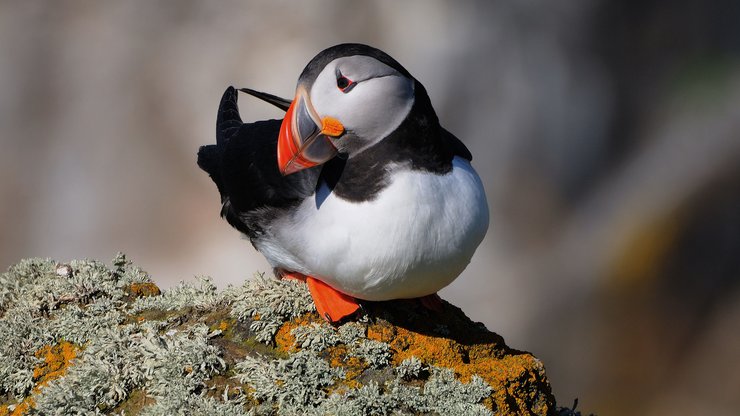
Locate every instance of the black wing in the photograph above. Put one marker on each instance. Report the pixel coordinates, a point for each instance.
(243, 164)
(458, 147)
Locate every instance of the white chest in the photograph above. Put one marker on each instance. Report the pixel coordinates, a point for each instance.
(412, 240)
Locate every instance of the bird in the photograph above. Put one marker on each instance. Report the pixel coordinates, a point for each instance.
(358, 191)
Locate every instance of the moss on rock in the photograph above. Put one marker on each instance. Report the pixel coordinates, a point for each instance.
(87, 338)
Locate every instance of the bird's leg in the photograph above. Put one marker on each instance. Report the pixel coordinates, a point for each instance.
(331, 304)
(432, 302)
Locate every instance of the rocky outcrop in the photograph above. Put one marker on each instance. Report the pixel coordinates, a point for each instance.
(83, 337)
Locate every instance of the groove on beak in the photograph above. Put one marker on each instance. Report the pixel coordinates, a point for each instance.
(304, 141)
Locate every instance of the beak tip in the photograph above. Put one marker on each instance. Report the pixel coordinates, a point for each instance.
(290, 168)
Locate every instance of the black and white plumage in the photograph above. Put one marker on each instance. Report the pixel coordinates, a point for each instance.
(385, 206)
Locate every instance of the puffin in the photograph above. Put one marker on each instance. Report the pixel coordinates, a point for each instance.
(358, 191)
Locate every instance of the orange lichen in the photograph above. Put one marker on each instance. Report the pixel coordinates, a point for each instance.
(284, 340)
(20, 409)
(143, 289)
(338, 356)
(382, 333)
(435, 350)
(507, 374)
(517, 378)
(223, 325)
(57, 359)
(512, 378)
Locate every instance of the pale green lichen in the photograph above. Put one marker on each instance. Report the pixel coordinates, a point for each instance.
(83, 303)
(286, 388)
(181, 401)
(453, 397)
(268, 303)
(203, 295)
(377, 354)
(410, 368)
(350, 332)
(291, 384)
(320, 336)
(79, 324)
(315, 337)
(297, 386)
(41, 303)
(196, 350)
(366, 400)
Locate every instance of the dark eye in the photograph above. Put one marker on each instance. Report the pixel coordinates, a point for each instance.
(345, 84)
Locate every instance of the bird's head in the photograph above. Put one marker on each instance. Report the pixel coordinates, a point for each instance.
(348, 97)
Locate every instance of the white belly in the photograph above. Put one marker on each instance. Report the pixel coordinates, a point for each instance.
(412, 240)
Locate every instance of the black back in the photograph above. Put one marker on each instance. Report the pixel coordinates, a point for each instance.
(243, 164)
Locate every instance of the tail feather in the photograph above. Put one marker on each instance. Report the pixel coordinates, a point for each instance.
(243, 165)
(209, 159)
(228, 120)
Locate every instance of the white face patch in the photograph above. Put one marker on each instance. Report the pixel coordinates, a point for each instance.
(374, 107)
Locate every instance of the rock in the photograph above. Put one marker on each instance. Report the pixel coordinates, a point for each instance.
(83, 337)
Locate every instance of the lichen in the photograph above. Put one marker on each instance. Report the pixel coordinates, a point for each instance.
(202, 296)
(64, 347)
(82, 338)
(56, 359)
(315, 337)
(410, 368)
(291, 384)
(269, 303)
(144, 289)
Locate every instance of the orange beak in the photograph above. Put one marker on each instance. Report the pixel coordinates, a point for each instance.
(304, 136)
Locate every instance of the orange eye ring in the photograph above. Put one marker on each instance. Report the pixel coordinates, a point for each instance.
(345, 84)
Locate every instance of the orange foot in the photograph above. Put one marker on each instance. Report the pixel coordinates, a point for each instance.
(331, 304)
(432, 302)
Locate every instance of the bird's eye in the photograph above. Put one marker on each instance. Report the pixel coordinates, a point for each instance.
(345, 84)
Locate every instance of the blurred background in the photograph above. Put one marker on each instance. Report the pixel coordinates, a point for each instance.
(607, 135)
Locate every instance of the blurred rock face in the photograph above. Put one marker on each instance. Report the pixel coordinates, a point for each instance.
(606, 135)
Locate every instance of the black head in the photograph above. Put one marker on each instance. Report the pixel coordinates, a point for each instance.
(319, 62)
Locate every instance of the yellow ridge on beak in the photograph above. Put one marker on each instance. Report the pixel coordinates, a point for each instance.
(331, 127)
